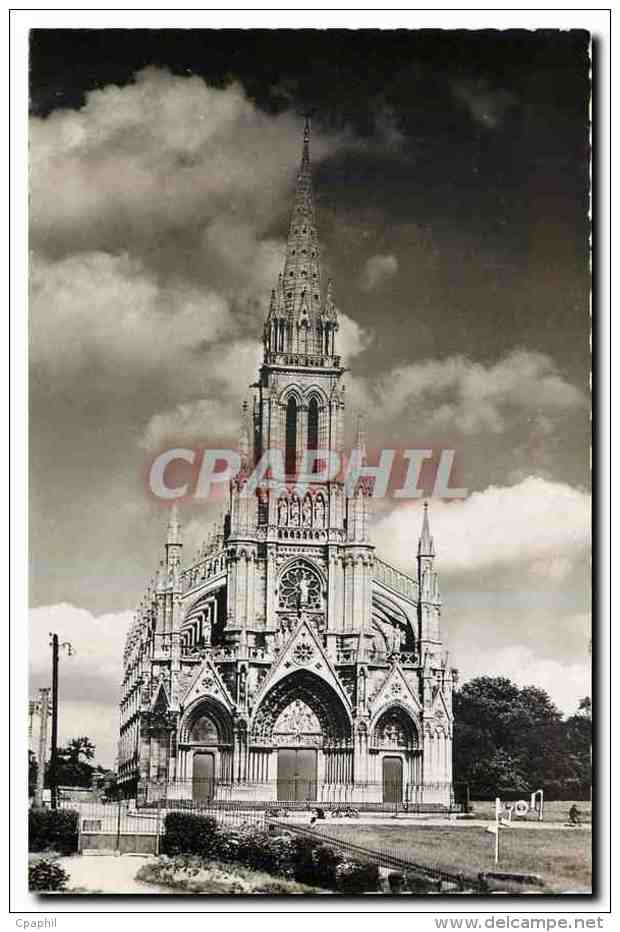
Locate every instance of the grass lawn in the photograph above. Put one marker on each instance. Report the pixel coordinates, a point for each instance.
(562, 858)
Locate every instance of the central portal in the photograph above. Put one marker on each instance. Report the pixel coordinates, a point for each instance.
(297, 774)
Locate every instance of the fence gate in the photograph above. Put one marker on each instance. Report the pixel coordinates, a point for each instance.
(117, 827)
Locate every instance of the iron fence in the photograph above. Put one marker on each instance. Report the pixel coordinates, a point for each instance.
(301, 794)
(124, 827)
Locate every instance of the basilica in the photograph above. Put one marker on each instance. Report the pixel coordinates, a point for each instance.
(286, 660)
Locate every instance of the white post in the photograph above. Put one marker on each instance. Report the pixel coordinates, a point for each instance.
(498, 805)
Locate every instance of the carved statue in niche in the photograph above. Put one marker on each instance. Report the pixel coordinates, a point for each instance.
(319, 511)
(294, 511)
(307, 512)
(282, 512)
(304, 588)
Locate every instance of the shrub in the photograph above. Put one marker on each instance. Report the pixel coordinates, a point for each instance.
(55, 829)
(190, 839)
(186, 833)
(315, 863)
(262, 851)
(46, 876)
(396, 881)
(355, 877)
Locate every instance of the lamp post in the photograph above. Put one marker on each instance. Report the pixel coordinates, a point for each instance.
(66, 646)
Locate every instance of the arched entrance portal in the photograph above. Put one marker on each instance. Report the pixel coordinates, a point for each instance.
(306, 727)
(206, 748)
(297, 733)
(394, 745)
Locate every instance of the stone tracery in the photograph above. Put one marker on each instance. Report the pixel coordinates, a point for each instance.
(300, 588)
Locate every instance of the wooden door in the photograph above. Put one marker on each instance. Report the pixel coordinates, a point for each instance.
(297, 774)
(203, 787)
(392, 780)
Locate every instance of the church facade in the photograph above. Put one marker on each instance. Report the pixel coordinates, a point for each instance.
(287, 660)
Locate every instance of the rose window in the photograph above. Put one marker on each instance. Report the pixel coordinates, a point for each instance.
(300, 587)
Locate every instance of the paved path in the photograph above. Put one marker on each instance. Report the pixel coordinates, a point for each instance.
(108, 873)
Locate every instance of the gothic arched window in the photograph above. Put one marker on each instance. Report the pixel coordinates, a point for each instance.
(313, 430)
(290, 457)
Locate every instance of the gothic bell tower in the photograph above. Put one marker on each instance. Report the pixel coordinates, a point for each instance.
(312, 538)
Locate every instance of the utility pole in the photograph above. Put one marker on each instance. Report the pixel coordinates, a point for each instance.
(53, 756)
(44, 711)
(54, 751)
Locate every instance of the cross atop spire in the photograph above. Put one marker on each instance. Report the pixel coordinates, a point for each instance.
(426, 545)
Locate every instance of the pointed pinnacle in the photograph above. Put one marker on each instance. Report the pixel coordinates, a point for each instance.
(174, 529)
(360, 439)
(244, 433)
(426, 546)
(305, 158)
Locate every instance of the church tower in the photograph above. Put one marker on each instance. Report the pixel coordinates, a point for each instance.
(297, 412)
(286, 660)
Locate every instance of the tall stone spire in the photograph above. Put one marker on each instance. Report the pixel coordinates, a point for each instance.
(299, 320)
(302, 274)
(426, 545)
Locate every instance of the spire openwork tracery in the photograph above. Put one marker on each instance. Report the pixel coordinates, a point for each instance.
(301, 318)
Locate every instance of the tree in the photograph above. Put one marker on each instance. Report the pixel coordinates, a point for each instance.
(72, 763)
(80, 747)
(511, 738)
(106, 783)
(585, 707)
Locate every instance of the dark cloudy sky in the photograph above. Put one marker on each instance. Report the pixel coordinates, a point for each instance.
(451, 175)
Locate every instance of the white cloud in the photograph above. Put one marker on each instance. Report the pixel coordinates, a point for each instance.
(459, 394)
(95, 311)
(377, 269)
(200, 422)
(566, 683)
(351, 339)
(160, 154)
(540, 526)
